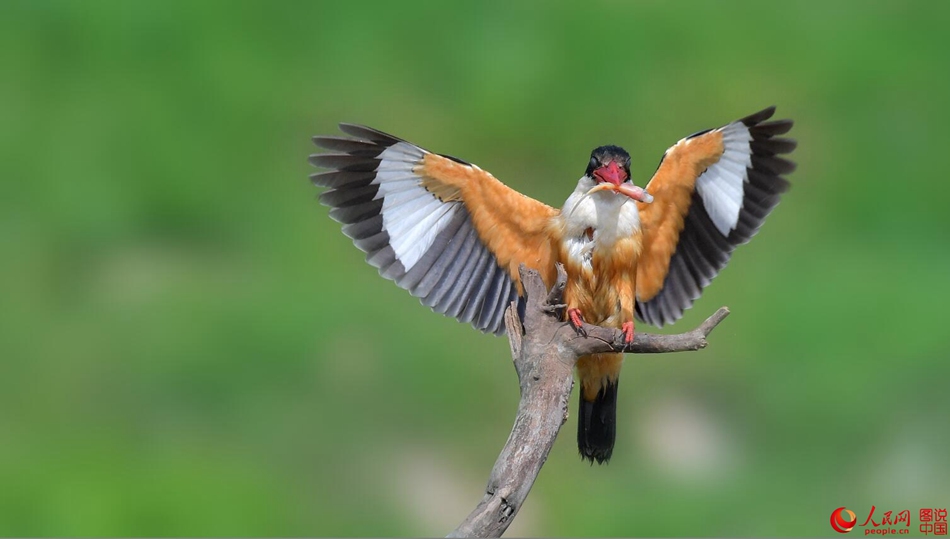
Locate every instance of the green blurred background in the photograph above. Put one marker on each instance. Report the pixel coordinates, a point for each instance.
(189, 345)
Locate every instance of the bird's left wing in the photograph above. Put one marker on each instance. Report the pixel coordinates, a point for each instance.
(445, 230)
(711, 193)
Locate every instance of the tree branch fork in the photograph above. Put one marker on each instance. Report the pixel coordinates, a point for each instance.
(544, 349)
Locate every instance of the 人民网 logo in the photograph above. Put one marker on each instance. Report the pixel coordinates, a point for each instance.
(843, 520)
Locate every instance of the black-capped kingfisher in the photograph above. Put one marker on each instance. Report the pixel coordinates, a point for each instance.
(453, 235)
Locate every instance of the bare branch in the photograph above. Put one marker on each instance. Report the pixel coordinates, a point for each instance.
(544, 350)
(601, 339)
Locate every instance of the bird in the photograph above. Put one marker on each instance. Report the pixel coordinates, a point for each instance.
(454, 236)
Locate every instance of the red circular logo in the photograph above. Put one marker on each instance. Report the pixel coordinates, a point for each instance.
(842, 523)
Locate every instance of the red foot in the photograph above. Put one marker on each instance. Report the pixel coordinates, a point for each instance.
(574, 315)
(627, 329)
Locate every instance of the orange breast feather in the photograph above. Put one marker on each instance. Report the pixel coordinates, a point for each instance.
(604, 289)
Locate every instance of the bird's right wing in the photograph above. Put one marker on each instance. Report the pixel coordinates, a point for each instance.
(445, 230)
(712, 192)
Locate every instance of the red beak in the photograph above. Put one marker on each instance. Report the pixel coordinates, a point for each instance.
(612, 173)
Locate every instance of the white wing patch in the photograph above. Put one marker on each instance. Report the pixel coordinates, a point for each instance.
(721, 185)
(411, 215)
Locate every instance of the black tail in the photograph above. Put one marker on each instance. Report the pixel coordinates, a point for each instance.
(597, 424)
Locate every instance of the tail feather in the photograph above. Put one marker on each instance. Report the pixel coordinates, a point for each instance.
(597, 424)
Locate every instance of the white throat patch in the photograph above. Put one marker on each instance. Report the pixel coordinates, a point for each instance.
(596, 221)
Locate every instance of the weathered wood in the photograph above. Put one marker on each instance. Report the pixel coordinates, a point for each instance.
(544, 350)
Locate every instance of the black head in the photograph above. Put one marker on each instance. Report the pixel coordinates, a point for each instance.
(609, 164)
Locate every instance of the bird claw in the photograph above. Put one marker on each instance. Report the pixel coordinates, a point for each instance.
(577, 322)
(553, 307)
(627, 329)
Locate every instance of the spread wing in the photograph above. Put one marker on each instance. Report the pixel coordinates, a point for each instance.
(445, 230)
(712, 192)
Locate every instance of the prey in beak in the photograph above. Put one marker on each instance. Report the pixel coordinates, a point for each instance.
(637, 193)
(610, 167)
